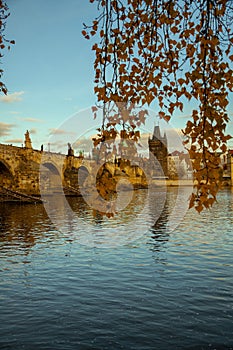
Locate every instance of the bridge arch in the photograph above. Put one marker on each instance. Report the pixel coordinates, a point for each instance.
(76, 177)
(6, 174)
(51, 167)
(50, 177)
(4, 167)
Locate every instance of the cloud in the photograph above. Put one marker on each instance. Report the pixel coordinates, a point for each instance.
(144, 139)
(14, 141)
(58, 143)
(33, 131)
(14, 97)
(32, 120)
(5, 128)
(84, 144)
(53, 131)
(14, 112)
(175, 139)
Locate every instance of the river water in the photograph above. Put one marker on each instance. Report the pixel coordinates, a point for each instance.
(165, 282)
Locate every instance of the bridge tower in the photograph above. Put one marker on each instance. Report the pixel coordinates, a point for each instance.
(158, 149)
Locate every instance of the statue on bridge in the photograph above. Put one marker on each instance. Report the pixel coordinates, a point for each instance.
(70, 150)
(27, 140)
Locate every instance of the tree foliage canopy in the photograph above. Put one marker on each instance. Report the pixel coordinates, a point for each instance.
(4, 13)
(171, 52)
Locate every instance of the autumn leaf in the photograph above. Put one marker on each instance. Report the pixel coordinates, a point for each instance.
(168, 53)
(94, 109)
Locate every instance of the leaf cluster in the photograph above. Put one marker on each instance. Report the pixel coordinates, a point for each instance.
(170, 52)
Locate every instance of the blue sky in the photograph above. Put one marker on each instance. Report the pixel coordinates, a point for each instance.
(49, 71)
(49, 74)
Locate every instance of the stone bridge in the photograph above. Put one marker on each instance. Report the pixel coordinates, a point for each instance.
(35, 172)
(28, 170)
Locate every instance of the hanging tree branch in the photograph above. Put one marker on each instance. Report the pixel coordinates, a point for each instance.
(170, 52)
(4, 43)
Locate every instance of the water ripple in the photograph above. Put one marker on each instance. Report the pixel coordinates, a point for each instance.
(164, 290)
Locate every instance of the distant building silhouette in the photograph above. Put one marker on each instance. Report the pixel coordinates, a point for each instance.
(158, 149)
